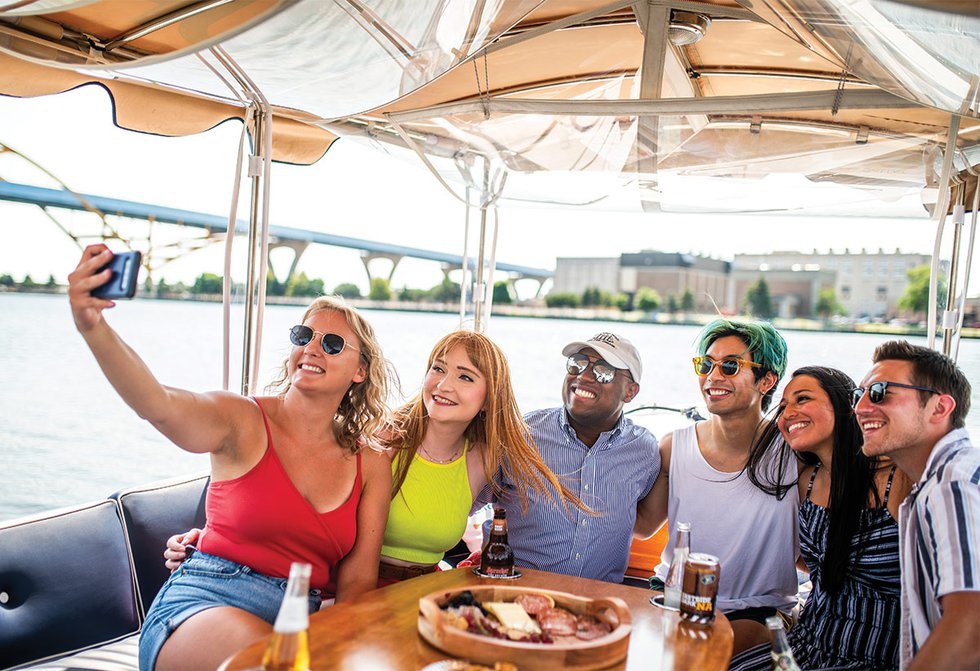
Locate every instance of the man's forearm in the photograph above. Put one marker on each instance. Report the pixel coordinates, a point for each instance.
(955, 641)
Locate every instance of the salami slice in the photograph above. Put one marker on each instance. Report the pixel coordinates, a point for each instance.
(590, 628)
(534, 604)
(558, 622)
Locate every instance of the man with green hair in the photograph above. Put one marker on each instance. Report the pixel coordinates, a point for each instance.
(705, 480)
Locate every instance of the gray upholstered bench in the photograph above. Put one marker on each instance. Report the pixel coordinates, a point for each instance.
(75, 583)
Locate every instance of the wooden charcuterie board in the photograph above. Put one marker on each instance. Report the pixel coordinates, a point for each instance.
(579, 655)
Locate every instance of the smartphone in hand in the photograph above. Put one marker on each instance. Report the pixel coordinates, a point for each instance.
(125, 268)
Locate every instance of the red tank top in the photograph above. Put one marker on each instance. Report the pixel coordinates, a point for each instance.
(262, 521)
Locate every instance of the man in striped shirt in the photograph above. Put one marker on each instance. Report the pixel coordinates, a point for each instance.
(600, 455)
(912, 407)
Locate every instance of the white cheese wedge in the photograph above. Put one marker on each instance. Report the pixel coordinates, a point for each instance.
(512, 616)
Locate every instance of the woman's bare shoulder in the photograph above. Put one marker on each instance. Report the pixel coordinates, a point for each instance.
(374, 461)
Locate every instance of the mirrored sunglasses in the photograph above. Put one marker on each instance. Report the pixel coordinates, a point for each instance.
(877, 390)
(332, 343)
(728, 366)
(603, 371)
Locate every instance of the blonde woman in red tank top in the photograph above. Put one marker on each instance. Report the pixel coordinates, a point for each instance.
(306, 441)
(465, 410)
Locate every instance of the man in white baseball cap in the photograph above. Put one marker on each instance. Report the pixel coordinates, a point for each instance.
(616, 350)
(599, 454)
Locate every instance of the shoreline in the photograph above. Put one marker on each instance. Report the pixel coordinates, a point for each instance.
(579, 314)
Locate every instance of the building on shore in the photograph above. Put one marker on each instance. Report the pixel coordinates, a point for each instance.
(668, 273)
(867, 284)
(575, 275)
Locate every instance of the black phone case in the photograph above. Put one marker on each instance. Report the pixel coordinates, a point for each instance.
(125, 268)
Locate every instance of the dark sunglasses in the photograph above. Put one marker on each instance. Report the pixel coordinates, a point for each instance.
(332, 343)
(603, 371)
(876, 391)
(729, 367)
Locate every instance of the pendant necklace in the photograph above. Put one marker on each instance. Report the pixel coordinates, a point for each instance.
(429, 456)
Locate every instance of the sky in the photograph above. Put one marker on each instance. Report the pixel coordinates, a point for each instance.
(354, 190)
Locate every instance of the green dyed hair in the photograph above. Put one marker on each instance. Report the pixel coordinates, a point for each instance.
(762, 340)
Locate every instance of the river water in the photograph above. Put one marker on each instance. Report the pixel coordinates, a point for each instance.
(66, 438)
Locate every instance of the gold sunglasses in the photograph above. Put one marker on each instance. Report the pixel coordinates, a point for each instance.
(729, 366)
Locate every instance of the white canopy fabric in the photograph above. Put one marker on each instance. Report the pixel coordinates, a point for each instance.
(571, 101)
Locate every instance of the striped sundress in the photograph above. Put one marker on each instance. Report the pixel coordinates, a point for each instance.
(857, 627)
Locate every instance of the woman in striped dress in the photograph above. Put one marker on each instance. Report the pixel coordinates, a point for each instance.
(848, 532)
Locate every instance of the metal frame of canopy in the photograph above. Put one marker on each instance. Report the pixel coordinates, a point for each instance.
(812, 32)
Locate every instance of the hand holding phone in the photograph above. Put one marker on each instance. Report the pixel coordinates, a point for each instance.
(125, 268)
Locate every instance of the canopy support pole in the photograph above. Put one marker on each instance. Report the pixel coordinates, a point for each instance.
(950, 315)
(942, 205)
(464, 281)
(969, 264)
(654, 21)
(259, 172)
(479, 292)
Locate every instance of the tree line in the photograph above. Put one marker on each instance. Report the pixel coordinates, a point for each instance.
(758, 299)
(645, 299)
(380, 289)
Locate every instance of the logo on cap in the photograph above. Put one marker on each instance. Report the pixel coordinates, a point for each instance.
(609, 338)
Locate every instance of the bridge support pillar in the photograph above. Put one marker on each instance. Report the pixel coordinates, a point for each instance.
(368, 257)
(298, 247)
(448, 268)
(522, 277)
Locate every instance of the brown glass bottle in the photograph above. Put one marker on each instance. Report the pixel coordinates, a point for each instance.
(497, 558)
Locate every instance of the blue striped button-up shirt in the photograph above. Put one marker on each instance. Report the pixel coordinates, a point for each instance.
(610, 477)
(939, 534)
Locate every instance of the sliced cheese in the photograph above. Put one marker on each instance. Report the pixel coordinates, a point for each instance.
(512, 616)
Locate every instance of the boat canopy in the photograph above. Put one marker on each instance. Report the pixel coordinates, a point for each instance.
(666, 105)
(831, 107)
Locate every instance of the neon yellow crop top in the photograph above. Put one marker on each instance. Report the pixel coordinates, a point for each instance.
(428, 516)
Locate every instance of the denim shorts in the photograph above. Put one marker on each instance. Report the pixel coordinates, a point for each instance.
(204, 581)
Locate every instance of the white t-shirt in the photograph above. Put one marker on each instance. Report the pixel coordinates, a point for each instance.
(754, 535)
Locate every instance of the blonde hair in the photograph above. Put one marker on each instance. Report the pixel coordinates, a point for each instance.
(500, 428)
(363, 411)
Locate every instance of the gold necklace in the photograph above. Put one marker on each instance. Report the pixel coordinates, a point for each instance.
(450, 460)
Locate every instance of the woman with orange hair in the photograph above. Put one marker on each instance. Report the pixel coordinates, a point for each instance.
(460, 433)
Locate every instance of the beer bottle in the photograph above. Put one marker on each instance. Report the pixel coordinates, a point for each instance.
(497, 558)
(782, 654)
(289, 647)
(675, 574)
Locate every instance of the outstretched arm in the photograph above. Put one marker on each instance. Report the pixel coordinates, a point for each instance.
(955, 641)
(651, 510)
(194, 422)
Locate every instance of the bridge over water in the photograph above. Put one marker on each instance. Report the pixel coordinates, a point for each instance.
(215, 227)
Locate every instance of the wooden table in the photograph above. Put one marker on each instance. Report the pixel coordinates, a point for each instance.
(379, 632)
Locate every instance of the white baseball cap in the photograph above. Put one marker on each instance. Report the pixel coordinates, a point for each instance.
(614, 349)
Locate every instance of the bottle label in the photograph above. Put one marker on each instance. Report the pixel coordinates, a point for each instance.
(294, 616)
(698, 604)
(498, 570)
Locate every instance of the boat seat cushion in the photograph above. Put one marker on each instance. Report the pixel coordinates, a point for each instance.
(66, 583)
(151, 515)
(119, 656)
